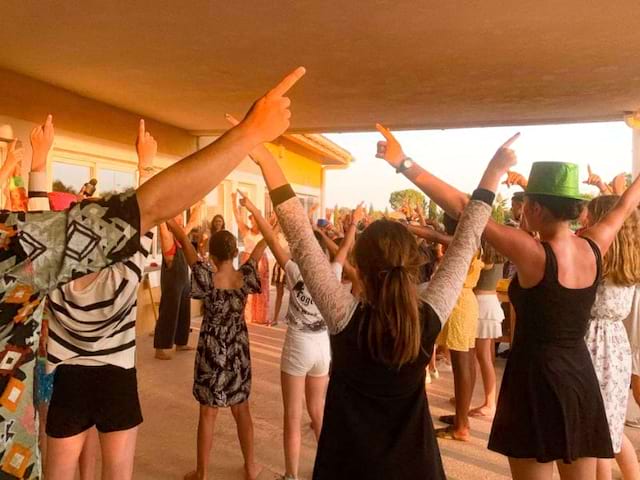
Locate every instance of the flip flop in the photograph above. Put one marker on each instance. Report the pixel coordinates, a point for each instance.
(448, 419)
(448, 433)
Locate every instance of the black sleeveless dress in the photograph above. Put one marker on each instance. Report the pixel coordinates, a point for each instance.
(376, 420)
(550, 406)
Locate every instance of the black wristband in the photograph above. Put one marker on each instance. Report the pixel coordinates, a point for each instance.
(486, 196)
(281, 194)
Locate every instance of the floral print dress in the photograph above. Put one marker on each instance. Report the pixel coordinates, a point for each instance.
(223, 363)
(608, 345)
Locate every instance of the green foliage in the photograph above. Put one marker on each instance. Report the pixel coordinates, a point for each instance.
(413, 197)
(499, 212)
(58, 186)
(433, 211)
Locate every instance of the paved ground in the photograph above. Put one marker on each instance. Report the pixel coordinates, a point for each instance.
(166, 446)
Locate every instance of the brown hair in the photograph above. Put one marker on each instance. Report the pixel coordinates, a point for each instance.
(621, 264)
(223, 246)
(388, 260)
(490, 256)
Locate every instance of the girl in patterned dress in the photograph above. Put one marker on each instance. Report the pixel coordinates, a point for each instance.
(223, 364)
(607, 338)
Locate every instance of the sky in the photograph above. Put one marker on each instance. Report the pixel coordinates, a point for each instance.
(460, 156)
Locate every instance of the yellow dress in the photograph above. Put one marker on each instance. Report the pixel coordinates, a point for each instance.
(459, 333)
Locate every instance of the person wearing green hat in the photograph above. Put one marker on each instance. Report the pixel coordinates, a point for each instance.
(550, 408)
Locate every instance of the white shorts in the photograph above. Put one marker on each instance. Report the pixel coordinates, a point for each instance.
(490, 317)
(306, 353)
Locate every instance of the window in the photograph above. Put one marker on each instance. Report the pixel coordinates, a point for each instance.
(69, 177)
(308, 202)
(115, 181)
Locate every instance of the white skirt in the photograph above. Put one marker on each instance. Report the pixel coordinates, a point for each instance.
(490, 318)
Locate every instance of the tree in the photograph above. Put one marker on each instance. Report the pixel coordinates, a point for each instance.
(58, 186)
(499, 212)
(409, 196)
(433, 211)
(371, 210)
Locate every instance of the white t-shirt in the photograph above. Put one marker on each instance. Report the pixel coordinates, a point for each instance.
(303, 315)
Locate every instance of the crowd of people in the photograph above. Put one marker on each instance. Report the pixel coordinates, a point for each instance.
(370, 309)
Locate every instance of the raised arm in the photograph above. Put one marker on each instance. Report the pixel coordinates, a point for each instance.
(41, 142)
(267, 232)
(9, 165)
(242, 227)
(334, 303)
(522, 249)
(443, 289)
(596, 181)
(202, 171)
(181, 237)
(258, 251)
(349, 235)
(430, 234)
(604, 232)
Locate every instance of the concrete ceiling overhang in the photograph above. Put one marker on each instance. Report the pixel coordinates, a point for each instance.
(410, 64)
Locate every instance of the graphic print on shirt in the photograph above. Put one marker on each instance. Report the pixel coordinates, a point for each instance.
(303, 306)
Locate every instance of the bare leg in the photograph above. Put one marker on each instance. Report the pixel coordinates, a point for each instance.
(603, 469)
(89, 455)
(292, 397)
(581, 469)
(63, 456)
(635, 388)
(485, 354)
(242, 416)
(627, 460)
(206, 425)
(118, 451)
(42, 433)
(433, 364)
(278, 307)
(463, 364)
(316, 391)
(529, 469)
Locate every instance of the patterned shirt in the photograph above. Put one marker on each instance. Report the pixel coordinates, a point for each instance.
(38, 252)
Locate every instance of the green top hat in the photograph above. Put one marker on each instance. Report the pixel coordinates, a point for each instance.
(556, 179)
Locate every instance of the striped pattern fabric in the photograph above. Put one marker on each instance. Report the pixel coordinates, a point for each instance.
(96, 325)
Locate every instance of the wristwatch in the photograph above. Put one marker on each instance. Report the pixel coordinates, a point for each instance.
(405, 165)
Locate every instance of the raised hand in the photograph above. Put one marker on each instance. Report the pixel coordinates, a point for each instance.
(596, 181)
(358, 214)
(505, 157)
(146, 147)
(246, 202)
(389, 149)
(515, 178)
(501, 163)
(619, 184)
(269, 117)
(41, 143)
(14, 156)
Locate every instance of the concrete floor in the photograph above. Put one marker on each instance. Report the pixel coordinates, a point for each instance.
(166, 444)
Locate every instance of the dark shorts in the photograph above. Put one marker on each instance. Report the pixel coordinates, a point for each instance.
(104, 396)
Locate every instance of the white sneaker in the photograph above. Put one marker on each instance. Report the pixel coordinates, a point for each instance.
(428, 378)
(633, 422)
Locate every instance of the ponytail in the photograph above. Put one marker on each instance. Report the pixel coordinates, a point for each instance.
(388, 259)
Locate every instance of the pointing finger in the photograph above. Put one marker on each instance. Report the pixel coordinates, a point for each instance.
(288, 82)
(141, 128)
(509, 142)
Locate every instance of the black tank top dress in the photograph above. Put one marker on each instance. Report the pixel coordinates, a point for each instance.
(377, 424)
(550, 406)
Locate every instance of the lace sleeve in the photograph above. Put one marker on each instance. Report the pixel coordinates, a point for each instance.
(334, 303)
(444, 288)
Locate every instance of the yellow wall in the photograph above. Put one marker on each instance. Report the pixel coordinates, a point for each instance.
(299, 168)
